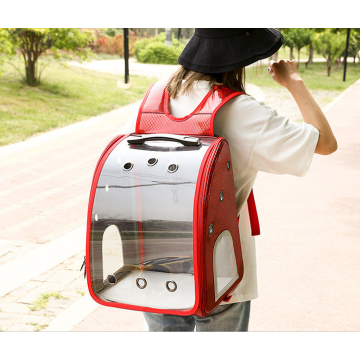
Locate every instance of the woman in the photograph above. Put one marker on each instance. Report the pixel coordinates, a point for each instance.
(260, 139)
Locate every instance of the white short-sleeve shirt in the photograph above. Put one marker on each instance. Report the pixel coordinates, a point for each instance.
(260, 140)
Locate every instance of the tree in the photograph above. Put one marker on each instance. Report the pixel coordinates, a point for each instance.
(354, 43)
(311, 45)
(301, 38)
(330, 45)
(6, 47)
(168, 37)
(296, 38)
(289, 41)
(32, 43)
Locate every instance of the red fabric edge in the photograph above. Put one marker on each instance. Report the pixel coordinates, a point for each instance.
(202, 310)
(197, 226)
(218, 107)
(254, 219)
(196, 233)
(141, 109)
(166, 107)
(253, 215)
(96, 175)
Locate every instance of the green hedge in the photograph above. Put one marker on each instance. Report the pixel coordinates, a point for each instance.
(154, 50)
(157, 53)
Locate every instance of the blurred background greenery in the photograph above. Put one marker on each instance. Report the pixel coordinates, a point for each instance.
(39, 91)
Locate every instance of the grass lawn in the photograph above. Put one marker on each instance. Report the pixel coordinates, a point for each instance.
(66, 95)
(315, 76)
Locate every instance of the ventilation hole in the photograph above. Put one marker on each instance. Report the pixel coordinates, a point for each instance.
(152, 161)
(172, 168)
(128, 166)
(171, 286)
(107, 188)
(141, 283)
(221, 196)
(228, 165)
(96, 217)
(111, 279)
(211, 229)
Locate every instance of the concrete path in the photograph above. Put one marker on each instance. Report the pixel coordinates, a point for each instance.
(45, 185)
(308, 253)
(150, 70)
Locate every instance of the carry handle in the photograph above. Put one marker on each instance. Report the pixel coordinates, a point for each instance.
(184, 140)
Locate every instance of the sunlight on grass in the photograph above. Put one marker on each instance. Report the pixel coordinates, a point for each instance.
(65, 96)
(42, 301)
(38, 327)
(315, 77)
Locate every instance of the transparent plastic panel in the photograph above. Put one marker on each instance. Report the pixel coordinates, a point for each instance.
(225, 270)
(112, 251)
(141, 249)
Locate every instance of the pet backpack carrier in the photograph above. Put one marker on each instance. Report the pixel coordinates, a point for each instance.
(162, 231)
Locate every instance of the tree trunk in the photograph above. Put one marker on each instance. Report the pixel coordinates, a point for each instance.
(168, 37)
(275, 56)
(328, 62)
(291, 53)
(31, 72)
(30, 51)
(311, 54)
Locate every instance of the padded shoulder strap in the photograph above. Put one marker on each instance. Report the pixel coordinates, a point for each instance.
(154, 115)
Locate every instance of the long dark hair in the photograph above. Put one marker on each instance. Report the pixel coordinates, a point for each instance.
(233, 79)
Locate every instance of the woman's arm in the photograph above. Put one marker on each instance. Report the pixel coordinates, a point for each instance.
(285, 73)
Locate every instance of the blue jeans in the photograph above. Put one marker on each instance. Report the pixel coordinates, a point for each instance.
(230, 317)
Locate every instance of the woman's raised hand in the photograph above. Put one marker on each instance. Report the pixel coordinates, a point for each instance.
(284, 72)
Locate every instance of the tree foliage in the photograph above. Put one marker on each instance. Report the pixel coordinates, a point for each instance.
(288, 40)
(296, 38)
(6, 47)
(354, 43)
(330, 43)
(32, 43)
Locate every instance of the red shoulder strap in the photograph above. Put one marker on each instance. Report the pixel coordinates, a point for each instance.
(254, 219)
(154, 116)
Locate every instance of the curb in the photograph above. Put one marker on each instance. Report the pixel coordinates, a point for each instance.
(40, 260)
(340, 96)
(73, 315)
(66, 130)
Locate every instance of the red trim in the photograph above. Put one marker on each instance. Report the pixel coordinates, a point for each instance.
(218, 107)
(141, 109)
(254, 219)
(97, 173)
(196, 232)
(166, 107)
(253, 216)
(197, 223)
(197, 227)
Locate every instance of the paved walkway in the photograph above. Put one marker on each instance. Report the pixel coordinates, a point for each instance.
(308, 276)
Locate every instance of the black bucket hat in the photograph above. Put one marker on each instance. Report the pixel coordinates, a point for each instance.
(220, 50)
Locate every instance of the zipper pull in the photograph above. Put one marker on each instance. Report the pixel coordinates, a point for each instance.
(84, 266)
